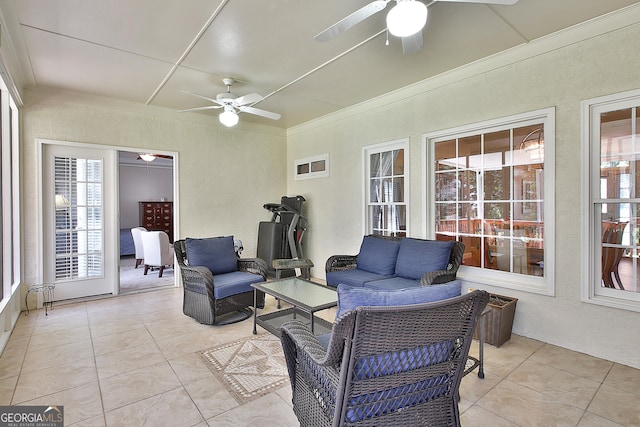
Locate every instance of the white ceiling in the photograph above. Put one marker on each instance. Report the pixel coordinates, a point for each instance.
(149, 51)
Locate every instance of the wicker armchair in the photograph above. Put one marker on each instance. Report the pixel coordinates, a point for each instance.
(384, 366)
(349, 262)
(199, 283)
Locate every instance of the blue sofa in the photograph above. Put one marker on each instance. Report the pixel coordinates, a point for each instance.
(388, 263)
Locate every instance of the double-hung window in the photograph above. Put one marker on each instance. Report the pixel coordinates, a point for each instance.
(489, 186)
(611, 155)
(386, 184)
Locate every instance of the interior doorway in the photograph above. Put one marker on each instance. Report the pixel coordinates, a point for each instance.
(146, 189)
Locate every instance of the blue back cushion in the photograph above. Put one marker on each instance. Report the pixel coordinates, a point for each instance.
(417, 257)
(215, 253)
(349, 298)
(378, 255)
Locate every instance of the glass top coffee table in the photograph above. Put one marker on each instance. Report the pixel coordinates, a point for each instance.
(305, 296)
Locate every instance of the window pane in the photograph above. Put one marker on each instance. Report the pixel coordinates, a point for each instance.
(445, 155)
(468, 185)
(529, 146)
(446, 218)
(398, 189)
(386, 163)
(446, 186)
(398, 164)
(374, 165)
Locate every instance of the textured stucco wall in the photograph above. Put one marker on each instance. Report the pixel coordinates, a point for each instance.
(561, 78)
(225, 175)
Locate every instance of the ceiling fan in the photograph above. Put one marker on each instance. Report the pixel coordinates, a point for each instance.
(150, 157)
(231, 103)
(405, 20)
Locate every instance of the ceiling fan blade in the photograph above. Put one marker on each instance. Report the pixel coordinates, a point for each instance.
(351, 20)
(505, 2)
(208, 107)
(203, 97)
(259, 112)
(412, 44)
(248, 99)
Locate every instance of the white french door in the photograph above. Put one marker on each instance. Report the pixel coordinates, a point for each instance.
(79, 220)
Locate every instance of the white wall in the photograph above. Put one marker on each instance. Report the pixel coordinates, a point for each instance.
(142, 183)
(226, 175)
(559, 71)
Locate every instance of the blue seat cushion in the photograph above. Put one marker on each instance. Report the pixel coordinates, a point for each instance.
(234, 283)
(393, 283)
(355, 277)
(417, 257)
(216, 253)
(349, 298)
(378, 255)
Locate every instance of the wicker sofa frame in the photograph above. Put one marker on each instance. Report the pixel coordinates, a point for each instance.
(349, 262)
(384, 366)
(198, 283)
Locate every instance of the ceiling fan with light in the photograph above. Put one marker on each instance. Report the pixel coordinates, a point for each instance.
(150, 157)
(405, 20)
(231, 103)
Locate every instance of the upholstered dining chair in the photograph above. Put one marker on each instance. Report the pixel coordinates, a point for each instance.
(217, 284)
(158, 251)
(384, 366)
(137, 244)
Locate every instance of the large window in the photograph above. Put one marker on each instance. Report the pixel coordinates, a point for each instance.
(10, 227)
(612, 127)
(386, 192)
(488, 191)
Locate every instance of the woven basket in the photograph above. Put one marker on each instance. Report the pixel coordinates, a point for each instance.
(498, 321)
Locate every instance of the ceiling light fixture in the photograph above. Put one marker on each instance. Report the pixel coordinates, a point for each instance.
(407, 18)
(147, 157)
(533, 145)
(228, 117)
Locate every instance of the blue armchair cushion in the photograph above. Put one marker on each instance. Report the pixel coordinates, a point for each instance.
(378, 255)
(349, 298)
(216, 253)
(416, 257)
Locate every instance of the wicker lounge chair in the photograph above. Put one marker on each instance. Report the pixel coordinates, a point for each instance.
(384, 366)
(199, 285)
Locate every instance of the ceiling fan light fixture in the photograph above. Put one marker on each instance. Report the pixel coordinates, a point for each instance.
(147, 157)
(406, 18)
(228, 117)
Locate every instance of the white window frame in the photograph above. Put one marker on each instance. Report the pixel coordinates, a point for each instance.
(535, 284)
(309, 161)
(367, 151)
(591, 291)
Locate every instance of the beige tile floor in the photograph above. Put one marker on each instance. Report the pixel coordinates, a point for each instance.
(130, 361)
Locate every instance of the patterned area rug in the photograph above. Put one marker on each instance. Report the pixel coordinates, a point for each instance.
(250, 367)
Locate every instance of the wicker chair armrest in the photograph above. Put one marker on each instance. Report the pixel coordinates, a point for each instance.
(304, 341)
(253, 265)
(437, 277)
(196, 278)
(341, 262)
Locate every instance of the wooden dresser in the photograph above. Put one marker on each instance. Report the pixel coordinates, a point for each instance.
(157, 216)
